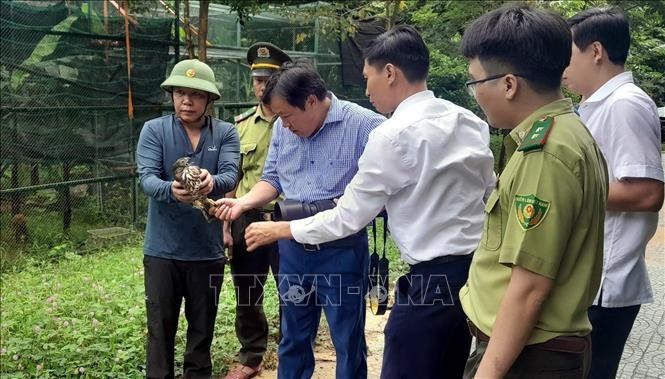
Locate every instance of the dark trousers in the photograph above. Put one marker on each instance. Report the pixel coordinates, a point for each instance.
(610, 330)
(333, 280)
(167, 282)
(426, 335)
(250, 271)
(537, 363)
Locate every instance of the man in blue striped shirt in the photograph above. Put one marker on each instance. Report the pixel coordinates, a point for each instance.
(311, 161)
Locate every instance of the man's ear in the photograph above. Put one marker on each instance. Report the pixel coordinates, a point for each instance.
(390, 72)
(311, 100)
(597, 51)
(510, 85)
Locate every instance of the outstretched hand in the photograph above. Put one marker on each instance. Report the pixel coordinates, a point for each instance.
(262, 233)
(228, 209)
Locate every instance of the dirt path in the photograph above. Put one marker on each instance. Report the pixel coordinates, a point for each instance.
(325, 353)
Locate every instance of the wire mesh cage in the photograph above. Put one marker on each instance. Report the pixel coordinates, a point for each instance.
(67, 141)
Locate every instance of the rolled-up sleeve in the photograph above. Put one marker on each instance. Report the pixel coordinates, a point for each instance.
(149, 161)
(270, 174)
(227, 164)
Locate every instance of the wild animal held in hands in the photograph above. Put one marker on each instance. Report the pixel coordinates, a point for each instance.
(189, 175)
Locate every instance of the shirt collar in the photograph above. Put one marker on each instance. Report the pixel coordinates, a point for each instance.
(259, 113)
(609, 87)
(335, 113)
(415, 98)
(552, 109)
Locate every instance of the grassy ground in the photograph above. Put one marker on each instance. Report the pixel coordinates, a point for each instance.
(85, 316)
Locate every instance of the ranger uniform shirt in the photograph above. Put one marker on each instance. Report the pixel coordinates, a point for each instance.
(255, 130)
(545, 215)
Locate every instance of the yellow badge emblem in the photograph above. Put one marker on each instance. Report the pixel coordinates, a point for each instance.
(530, 210)
(190, 73)
(263, 52)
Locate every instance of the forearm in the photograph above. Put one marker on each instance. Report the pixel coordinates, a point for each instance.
(517, 316)
(635, 195)
(261, 194)
(354, 210)
(156, 188)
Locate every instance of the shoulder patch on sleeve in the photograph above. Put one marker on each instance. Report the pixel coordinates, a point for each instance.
(530, 210)
(537, 136)
(244, 115)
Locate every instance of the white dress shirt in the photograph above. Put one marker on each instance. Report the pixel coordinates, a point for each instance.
(624, 121)
(430, 166)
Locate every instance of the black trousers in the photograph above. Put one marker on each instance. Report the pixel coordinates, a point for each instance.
(167, 282)
(426, 335)
(250, 271)
(610, 328)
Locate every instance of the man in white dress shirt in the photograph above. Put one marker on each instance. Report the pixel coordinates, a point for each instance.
(624, 121)
(430, 167)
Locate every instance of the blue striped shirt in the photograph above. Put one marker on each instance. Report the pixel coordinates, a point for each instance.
(320, 166)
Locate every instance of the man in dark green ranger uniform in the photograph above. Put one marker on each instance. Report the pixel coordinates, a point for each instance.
(250, 270)
(538, 266)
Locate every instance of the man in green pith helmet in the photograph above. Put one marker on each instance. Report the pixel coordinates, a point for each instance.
(183, 252)
(250, 270)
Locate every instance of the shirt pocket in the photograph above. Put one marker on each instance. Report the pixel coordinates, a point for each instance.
(493, 228)
(247, 154)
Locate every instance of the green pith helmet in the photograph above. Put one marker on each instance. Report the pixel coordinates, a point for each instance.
(194, 74)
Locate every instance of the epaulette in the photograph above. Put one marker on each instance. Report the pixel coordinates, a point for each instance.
(537, 136)
(244, 115)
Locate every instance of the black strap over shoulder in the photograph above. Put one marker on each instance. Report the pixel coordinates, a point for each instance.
(378, 271)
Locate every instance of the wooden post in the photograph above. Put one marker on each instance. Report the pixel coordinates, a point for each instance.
(203, 28)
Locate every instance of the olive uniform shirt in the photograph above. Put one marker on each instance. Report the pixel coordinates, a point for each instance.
(546, 215)
(255, 131)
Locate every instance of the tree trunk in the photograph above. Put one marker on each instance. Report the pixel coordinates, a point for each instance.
(203, 28)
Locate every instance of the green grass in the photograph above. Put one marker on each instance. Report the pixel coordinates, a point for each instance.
(89, 313)
(85, 316)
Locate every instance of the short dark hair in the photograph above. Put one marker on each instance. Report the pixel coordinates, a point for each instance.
(403, 47)
(294, 82)
(534, 43)
(608, 25)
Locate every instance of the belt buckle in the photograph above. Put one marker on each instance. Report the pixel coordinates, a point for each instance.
(266, 216)
(308, 247)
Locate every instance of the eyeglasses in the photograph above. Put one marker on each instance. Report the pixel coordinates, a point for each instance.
(471, 84)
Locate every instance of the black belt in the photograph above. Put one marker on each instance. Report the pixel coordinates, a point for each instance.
(565, 344)
(349, 241)
(442, 259)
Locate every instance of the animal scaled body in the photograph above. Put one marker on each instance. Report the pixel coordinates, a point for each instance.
(189, 176)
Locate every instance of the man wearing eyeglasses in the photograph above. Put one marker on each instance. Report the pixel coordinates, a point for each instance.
(539, 262)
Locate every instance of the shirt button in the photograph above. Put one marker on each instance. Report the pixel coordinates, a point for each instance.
(312, 162)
